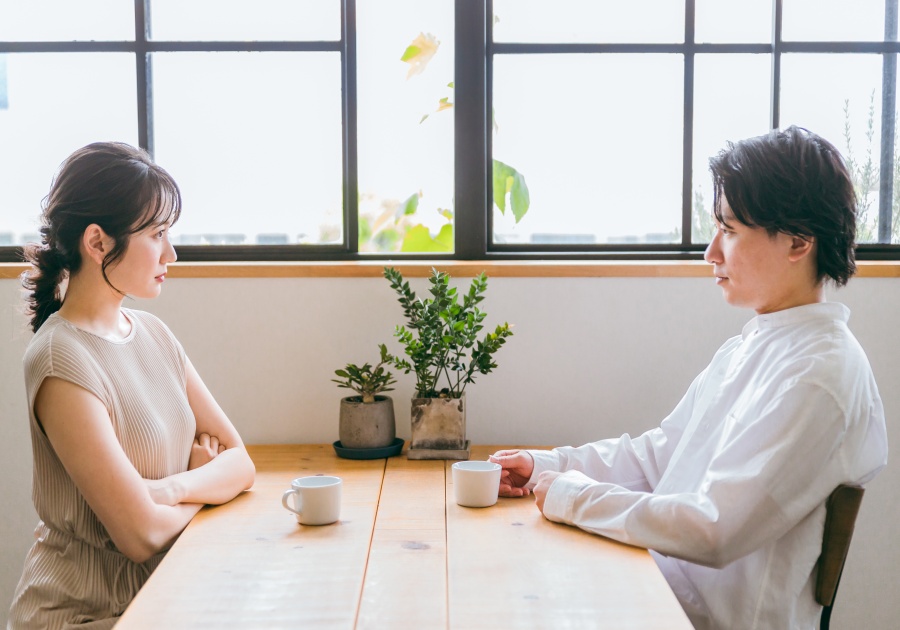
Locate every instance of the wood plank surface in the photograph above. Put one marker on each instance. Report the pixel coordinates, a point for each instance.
(406, 580)
(248, 564)
(509, 567)
(403, 555)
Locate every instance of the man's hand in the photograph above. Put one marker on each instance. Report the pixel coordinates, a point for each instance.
(517, 467)
(544, 481)
(204, 450)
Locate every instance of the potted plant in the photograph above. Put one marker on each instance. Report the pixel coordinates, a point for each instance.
(442, 347)
(367, 419)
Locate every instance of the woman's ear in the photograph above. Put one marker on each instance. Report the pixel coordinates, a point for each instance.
(96, 243)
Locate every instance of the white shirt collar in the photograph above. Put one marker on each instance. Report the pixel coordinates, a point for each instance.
(834, 311)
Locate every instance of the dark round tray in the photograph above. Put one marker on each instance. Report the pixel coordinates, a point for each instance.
(394, 448)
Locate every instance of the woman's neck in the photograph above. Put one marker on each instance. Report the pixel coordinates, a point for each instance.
(95, 307)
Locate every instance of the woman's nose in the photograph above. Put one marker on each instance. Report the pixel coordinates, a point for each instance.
(169, 255)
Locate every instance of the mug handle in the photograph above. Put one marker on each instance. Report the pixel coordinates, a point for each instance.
(284, 500)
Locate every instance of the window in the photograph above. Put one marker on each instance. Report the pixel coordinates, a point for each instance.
(336, 129)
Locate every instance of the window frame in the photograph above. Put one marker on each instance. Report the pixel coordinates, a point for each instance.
(473, 70)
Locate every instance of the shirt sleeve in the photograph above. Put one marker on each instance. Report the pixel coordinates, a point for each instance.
(771, 470)
(633, 463)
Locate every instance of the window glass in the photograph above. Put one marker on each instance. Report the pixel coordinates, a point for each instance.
(52, 105)
(733, 21)
(598, 141)
(245, 20)
(405, 125)
(846, 110)
(589, 21)
(838, 20)
(254, 141)
(586, 147)
(66, 20)
(731, 102)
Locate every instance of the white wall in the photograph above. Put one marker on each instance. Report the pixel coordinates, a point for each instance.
(591, 357)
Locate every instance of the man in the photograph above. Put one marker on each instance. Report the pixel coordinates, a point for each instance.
(729, 491)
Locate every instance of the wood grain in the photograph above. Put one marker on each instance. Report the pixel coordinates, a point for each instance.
(248, 564)
(406, 580)
(509, 567)
(403, 555)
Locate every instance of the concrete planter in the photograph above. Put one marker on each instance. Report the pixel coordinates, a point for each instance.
(367, 425)
(438, 429)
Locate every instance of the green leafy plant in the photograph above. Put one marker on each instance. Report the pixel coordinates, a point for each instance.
(865, 176)
(703, 227)
(395, 228)
(441, 335)
(396, 225)
(367, 381)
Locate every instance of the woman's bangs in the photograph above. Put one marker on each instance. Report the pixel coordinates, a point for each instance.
(163, 205)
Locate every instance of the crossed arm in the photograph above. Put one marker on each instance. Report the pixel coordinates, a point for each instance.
(143, 517)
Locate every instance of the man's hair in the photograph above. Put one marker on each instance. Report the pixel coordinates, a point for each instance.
(795, 182)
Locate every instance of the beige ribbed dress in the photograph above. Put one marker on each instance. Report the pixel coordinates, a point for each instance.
(73, 573)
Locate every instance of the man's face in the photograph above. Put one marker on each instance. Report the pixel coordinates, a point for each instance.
(753, 268)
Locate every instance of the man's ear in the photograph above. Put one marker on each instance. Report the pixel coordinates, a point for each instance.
(96, 243)
(801, 247)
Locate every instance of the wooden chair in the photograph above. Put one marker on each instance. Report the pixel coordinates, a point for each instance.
(842, 508)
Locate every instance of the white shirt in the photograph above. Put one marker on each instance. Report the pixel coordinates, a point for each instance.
(730, 490)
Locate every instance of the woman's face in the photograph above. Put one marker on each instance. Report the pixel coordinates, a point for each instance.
(141, 270)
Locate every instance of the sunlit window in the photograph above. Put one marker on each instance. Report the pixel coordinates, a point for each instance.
(338, 129)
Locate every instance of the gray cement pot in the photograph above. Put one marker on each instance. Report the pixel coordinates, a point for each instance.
(367, 425)
(438, 423)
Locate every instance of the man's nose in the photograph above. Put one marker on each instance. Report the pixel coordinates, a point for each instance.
(713, 253)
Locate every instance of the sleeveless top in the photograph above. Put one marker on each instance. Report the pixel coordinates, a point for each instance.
(73, 574)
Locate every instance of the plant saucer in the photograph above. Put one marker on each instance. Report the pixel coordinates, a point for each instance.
(394, 448)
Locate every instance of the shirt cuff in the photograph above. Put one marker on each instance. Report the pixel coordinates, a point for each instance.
(561, 497)
(543, 460)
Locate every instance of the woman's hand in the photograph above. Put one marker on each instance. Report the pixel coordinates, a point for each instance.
(204, 449)
(163, 491)
(168, 491)
(517, 467)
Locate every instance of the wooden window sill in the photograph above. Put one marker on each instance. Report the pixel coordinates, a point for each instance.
(461, 268)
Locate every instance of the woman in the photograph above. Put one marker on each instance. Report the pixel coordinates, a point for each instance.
(128, 442)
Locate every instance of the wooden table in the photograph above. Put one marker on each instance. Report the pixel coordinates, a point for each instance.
(403, 555)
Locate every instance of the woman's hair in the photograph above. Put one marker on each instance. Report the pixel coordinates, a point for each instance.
(794, 182)
(111, 184)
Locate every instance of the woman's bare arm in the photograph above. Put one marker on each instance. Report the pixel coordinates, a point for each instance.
(79, 428)
(229, 470)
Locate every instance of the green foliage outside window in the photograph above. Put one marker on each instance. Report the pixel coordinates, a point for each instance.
(865, 175)
(863, 171)
(397, 227)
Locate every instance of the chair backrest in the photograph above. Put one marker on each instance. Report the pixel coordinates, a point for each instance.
(841, 510)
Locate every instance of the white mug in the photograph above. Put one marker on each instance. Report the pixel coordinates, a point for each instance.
(317, 500)
(476, 483)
